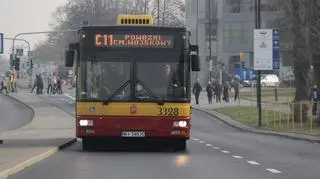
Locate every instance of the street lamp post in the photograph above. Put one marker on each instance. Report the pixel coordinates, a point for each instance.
(32, 33)
(197, 28)
(28, 44)
(210, 53)
(158, 9)
(258, 26)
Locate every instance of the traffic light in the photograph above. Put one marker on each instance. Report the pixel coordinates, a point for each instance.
(243, 64)
(31, 63)
(242, 61)
(17, 64)
(11, 62)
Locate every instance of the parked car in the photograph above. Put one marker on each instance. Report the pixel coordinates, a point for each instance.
(270, 80)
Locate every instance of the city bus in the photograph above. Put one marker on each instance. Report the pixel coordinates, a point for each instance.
(133, 82)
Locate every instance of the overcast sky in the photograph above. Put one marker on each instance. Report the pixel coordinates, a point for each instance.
(18, 16)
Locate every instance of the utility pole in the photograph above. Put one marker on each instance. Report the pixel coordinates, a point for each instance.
(126, 6)
(164, 12)
(197, 29)
(210, 53)
(158, 12)
(258, 26)
(145, 6)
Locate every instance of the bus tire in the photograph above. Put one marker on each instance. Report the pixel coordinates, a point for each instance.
(86, 144)
(180, 145)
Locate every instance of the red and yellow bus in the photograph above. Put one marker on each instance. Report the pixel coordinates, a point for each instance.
(133, 81)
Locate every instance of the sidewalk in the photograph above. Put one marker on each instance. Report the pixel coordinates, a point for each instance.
(203, 100)
(210, 109)
(49, 130)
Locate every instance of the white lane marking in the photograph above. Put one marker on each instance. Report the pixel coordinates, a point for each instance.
(209, 145)
(67, 95)
(237, 156)
(195, 139)
(202, 142)
(216, 148)
(253, 162)
(273, 170)
(225, 151)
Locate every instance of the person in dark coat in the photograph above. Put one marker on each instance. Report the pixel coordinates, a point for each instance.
(315, 99)
(196, 90)
(35, 83)
(209, 90)
(236, 91)
(217, 92)
(39, 85)
(226, 94)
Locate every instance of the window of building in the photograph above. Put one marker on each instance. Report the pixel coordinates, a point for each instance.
(266, 6)
(236, 33)
(213, 6)
(235, 6)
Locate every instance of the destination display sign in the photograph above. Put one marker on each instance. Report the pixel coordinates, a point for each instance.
(134, 40)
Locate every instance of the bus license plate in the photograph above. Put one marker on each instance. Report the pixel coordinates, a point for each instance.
(133, 134)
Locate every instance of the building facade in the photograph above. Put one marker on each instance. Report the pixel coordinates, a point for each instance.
(232, 25)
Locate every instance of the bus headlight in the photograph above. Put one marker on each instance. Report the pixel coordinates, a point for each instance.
(180, 124)
(86, 122)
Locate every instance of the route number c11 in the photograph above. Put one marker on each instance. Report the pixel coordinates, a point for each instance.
(168, 111)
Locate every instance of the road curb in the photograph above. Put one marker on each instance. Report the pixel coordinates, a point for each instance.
(240, 126)
(33, 112)
(5, 174)
(29, 107)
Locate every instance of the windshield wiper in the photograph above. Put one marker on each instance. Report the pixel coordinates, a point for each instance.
(106, 102)
(160, 101)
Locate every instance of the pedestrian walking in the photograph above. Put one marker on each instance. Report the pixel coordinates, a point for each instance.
(196, 90)
(209, 90)
(314, 99)
(50, 84)
(218, 89)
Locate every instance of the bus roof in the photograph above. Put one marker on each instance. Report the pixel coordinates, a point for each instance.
(123, 27)
(135, 20)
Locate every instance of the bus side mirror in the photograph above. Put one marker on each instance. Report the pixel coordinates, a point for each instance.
(69, 57)
(194, 57)
(195, 63)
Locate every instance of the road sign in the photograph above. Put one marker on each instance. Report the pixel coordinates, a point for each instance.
(1, 43)
(244, 74)
(266, 49)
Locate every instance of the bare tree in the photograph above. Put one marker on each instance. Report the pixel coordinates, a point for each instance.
(301, 20)
(102, 12)
(171, 12)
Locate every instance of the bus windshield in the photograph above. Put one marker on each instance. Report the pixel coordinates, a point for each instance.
(114, 80)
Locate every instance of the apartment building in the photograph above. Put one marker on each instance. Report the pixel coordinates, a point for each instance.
(232, 23)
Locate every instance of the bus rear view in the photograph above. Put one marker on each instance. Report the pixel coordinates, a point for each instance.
(133, 81)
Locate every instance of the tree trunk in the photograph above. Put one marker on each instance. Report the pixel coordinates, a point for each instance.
(316, 70)
(301, 73)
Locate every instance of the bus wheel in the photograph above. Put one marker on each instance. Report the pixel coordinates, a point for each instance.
(87, 144)
(180, 145)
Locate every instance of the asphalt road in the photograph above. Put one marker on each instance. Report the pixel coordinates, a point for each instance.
(215, 151)
(61, 101)
(13, 114)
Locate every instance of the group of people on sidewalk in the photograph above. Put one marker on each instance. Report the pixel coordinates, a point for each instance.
(53, 85)
(214, 90)
(8, 83)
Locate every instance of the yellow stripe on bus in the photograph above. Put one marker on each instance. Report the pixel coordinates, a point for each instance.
(133, 109)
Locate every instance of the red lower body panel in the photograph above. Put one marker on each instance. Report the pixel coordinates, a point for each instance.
(112, 126)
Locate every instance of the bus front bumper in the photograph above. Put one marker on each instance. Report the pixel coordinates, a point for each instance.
(83, 132)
